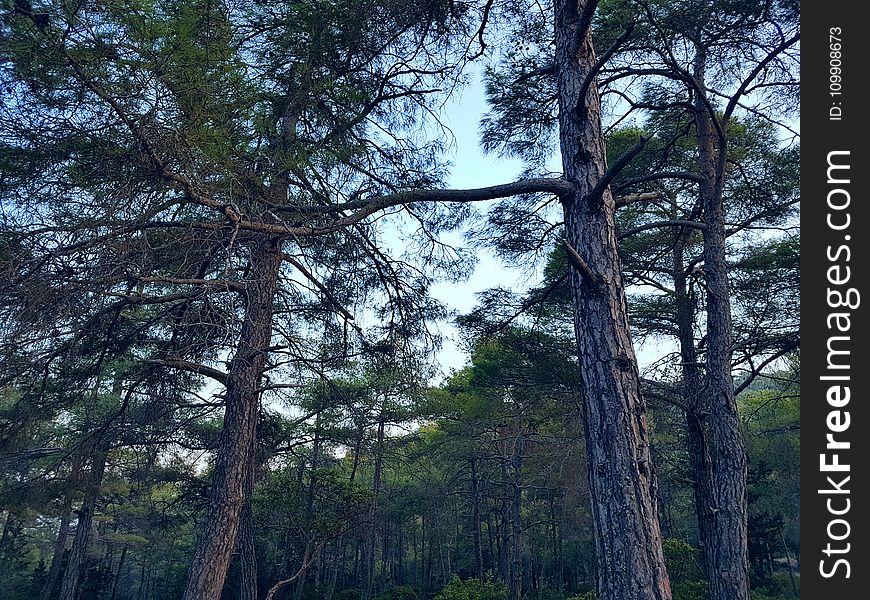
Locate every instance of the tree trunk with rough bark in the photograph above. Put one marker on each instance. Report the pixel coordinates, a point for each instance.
(81, 541)
(692, 393)
(628, 540)
(515, 546)
(233, 461)
(117, 576)
(728, 563)
(59, 548)
(475, 519)
(309, 502)
(373, 511)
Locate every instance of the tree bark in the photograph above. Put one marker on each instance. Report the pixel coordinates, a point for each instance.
(59, 548)
(515, 547)
(475, 519)
(399, 575)
(117, 578)
(424, 580)
(373, 511)
(75, 566)
(692, 394)
(218, 539)
(9, 555)
(728, 563)
(309, 498)
(628, 540)
(493, 553)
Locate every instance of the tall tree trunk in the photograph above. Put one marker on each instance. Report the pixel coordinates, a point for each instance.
(503, 572)
(309, 498)
(729, 561)
(59, 548)
(400, 554)
(371, 538)
(338, 563)
(475, 519)
(81, 541)
(515, 547)
(356, 561)
(218, 539)
(117, 578)
(9, 554)
(493, 552)
(628, 541)
(556, 541)
(141, 591)
(424, 580)
(692, 396)
(794, 588)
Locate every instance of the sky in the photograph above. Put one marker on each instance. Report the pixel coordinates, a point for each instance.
(471, 168)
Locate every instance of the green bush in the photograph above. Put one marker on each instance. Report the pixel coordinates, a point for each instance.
(472, 589)
(689, 590)
(776, 588)
(584, 596)
(687, 581)
(348, 594)
(401, 592)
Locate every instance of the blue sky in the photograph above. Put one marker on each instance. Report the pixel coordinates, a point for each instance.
(471, 168)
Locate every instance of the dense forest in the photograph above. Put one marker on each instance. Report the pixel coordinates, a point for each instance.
(220, 226)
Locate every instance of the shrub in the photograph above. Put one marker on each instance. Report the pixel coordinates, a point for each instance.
(348, 594)
(686, 578)
(584, 596)
(401, 592)
(472, 589)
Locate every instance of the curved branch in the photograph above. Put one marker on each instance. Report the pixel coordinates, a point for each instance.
(616, 168)
(668, 223)
(602, 60)
(191, 367)
(732, 104)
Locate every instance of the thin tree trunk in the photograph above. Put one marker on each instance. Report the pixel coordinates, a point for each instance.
(515, 546)
(794, 589)
(423, 579)
(692, 396)
(414, 545)
(501, 571)
(493, 556)
(400, 555)
(555, 538)
(117, 577)
(9, 555)
(628, 540)
(169, 562)
(140, 593)
(339, 559)
(373, 511)
(356, 563)
(385, 550)
(728, 565)
(309, 501)
(475, 520)
(218, 538)
(59, 548)
(81, 541)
